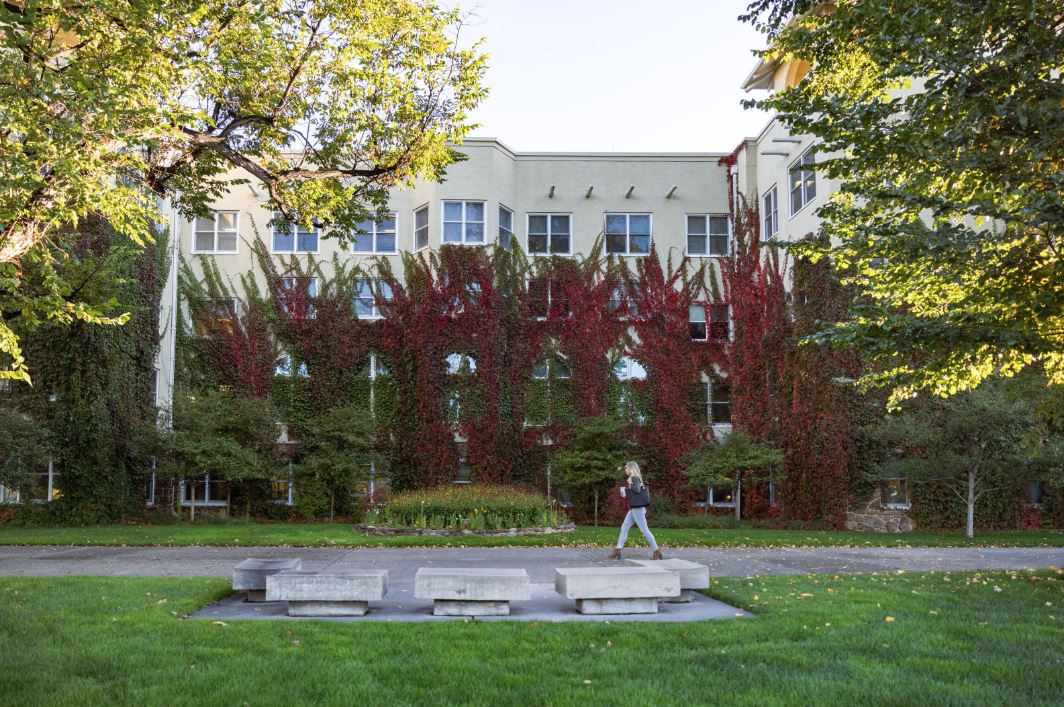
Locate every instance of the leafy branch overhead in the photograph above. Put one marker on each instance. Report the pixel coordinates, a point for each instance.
(325, 103)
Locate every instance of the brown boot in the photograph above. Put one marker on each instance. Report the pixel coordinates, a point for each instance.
(657, 555)
(616, 554)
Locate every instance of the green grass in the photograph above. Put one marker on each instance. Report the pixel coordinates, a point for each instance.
(343, 535)
(966, 639)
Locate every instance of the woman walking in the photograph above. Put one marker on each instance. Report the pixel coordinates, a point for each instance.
(638, 496)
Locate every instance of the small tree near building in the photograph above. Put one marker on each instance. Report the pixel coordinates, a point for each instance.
(339, 452)
(219, 434)
(973, 442)
(735, 459)
(593, 458)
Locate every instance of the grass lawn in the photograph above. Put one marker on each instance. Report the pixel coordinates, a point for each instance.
(343, 535)
(963, 638)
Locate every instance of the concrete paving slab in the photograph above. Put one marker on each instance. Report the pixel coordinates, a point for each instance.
(401, 606)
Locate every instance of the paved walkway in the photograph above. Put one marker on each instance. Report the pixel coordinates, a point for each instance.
(540, 562)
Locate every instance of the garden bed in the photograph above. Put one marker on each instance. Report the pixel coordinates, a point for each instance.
(448, 532)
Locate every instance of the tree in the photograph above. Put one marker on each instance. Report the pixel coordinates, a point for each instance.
(972, 442)
(109, 106)
(220, 434)
(593, 457)
(729, 461)
(943, 122)
(338, 452)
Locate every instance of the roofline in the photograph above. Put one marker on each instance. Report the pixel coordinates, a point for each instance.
(583, 155)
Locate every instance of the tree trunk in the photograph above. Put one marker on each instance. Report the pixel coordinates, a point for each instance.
(738, 499)
(192, 502)
(596, 506)
(970, 527)
(332, 505)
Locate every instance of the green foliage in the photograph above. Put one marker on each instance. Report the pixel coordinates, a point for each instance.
(592, 459)
(109, 105)
(943, 123)
(339, 448)
(472, 507)
(25, 445)
(725, 462)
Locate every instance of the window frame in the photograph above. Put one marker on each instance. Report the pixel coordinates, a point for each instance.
(206, 481)
(709, 235)
(775, 213)
(415, 228)
(288, 283)
(512, 236)
(628, 232)
(374, 250)
(710, 322)
(375, 311)
(465, 221)
(903, 484)
(295, 241)
(691, 322)
(215, 250)
(711, 404)
(550, 234)
(802, 185)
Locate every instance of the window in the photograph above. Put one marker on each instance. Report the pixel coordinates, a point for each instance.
(894, 493)
(9, 494)
(770, 216)
(463, 222)
(550, 234)
(283, 490)
(376, 236)
(368, 296)
(628, 234)
(214, 315)
(622, 299)
(206, 491)
(421, 228)
(548, 297)
(43, 486)
(707, 234)
(720, 322)
(460, 363)
(628, 369)
(542, 368)
(375, 369)
(291, 238)
(803, 181)
(216, 234)
(284, 367)
(697, 322)
(721, 496)
(718, 405)
(149, 487)
(506, 227)
(296, 295)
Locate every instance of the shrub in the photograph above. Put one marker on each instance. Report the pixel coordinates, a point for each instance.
(473, 507)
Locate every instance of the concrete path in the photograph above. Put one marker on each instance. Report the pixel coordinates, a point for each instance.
(402, 563)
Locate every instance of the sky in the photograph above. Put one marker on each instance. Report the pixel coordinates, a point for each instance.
(615, 75)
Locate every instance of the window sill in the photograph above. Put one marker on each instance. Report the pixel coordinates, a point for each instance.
(217, 504)
(897, 506)
(215, 252)
(708, 255)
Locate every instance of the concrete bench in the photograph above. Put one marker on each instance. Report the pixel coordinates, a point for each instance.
(616, 590)
(327, 593)
(692, 576)
(250, 575)
(471, 591)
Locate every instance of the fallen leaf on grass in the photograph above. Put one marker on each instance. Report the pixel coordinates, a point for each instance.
(889, 619)
(219, 623)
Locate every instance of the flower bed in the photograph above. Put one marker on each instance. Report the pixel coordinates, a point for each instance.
(475, 508)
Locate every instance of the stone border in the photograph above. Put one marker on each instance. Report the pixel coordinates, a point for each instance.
(450, 532)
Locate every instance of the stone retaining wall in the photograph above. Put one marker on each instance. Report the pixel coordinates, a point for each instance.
(512, 532)
(874, 517)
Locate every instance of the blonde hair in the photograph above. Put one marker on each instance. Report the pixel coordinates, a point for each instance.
(632, 470)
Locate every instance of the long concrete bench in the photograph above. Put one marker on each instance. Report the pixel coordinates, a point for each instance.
(616, 590)
(327, 593)
(250, 575)
(692, 575)
(471, 591)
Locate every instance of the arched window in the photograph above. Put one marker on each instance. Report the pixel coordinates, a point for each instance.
(460, 363)
(628, 369)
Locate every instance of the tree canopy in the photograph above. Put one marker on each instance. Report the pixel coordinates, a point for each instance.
(943, 122)
(107, 106)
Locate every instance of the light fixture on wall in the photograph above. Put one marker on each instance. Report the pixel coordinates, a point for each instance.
(550, 195)
(671, 191)
(628, 194)
(589, 190)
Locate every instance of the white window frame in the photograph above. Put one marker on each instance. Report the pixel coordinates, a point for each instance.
(183, 494)
(628, 232)
(725, 426)
(713, 503)
(465, 222)
(803, 186)
(295, 241)
(283, 367)
(710, 321)
(3, 496)
(373, 234)
(290, 498)
(550, 233)
(415, 228)
(288, 283)
(550, 299)
(709, 235)
(215, 251)
(508, 231)
(773, 215)
(896, 506)
(704, 322)
(375, 284)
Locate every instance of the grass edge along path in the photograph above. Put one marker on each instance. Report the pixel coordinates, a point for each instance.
(236, 534)
(888, 638)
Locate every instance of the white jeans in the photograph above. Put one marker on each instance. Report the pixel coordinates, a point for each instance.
(636, 516)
